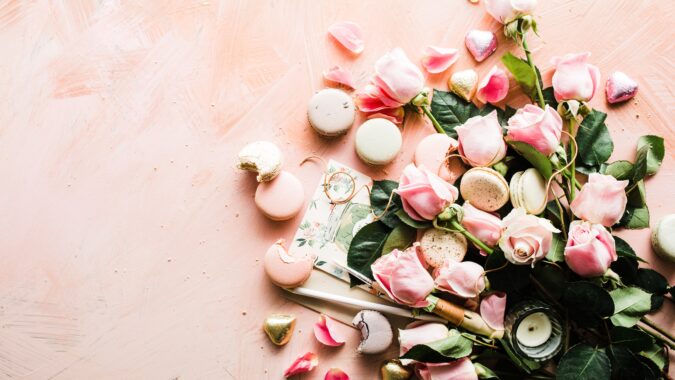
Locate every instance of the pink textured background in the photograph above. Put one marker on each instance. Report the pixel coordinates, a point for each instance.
(130, 245)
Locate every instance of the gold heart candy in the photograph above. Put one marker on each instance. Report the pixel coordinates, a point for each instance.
(463, 83)
(394, 370)
(279, 327)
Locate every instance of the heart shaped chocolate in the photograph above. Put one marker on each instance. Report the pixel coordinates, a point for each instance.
(463, 83)
(481, 43)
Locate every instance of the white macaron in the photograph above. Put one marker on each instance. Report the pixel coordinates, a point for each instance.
(378, 141)
(528, 191)
(331, 112)
(663, 238)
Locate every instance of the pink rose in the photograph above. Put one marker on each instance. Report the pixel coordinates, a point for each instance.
(538, 127)
(461, 369)
(464, 279)
(483, 225)
(422, 334)
(526, 238)
(403, 278)
(506, 11)
(601, 200)
(574, 78)
(424, 194)
(590, 249)
(396, 82)
(481, 141)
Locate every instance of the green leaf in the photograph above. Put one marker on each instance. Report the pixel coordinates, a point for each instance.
(557, 251)
(623, 249)
(640, 166)
(630, 304)
(583, 362)
(366, 247)
(549, 97)
(626, 268)
(588, 301)
(451, 111)
(510, 278)
(534, 157)
(657, 354)
(552, 278)
(400, 237)
(455, 346)
(628, 366)
(636, 340)
(593, 140)
(405, 218)
(651, 281)
(638, 196)
(635, 218)
(379, 197)
(553, 214)
(484, 372)
(656, 152)
(620, 170)
(522, 73)
(523, 363)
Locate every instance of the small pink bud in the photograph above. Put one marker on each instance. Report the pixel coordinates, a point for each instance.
(620, 87)
(481, 44)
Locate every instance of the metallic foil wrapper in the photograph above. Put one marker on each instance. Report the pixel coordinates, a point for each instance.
(394, 370)
(279, 328)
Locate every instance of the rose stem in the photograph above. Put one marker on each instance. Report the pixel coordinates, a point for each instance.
(573, 179)
(431, 117)
(654, 326)
(528, 55)
(459, 228)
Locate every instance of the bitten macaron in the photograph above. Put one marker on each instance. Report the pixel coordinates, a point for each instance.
(485, 188)
(286, 269)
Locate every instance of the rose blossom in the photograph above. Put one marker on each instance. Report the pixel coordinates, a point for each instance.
(493, 87)
(422, 334)
(481, 141)
(601, 200)
(538, 127)
(506, 11)
(590, 249)
(574, 78)
(403, 278)
(424, 194)
(526, 238)
(396, 82)
(464, 279)
(483, 225)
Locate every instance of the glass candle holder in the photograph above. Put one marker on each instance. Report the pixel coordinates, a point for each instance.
(534, 330)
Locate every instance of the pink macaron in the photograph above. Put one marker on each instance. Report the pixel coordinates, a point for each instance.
(286, 269)
(281, 198)
(432, 153)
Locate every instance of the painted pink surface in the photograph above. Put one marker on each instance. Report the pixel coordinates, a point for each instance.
(130, 243)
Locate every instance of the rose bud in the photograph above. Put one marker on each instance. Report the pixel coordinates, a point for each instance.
(574, 78)
(620, 87)
(483, 225)
(527, 238)
(465, 279)
(601, 200)
(423, 193)
(481, 141)
(590, 249)
(538, 127)
(403, 278)
(396, 82)
(506, 11)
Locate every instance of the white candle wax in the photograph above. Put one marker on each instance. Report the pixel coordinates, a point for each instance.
(534, 330)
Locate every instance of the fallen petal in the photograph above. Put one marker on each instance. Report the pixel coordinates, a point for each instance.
(481, 44)
(620, 87)
(349, 35)
(336, 374)
(493, 87)
(340, 76)
(463, 83)
(302, 364)
(492, 310)
(325, 331)
(438, 59)
(395, 115)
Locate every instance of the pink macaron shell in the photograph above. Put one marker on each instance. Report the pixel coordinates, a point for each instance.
(282, 198)
(285, 269)
(431, 153)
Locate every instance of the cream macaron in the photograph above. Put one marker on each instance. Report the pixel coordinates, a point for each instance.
(438, 246)
(331, 112)
(485, 188)
(663, 238)
(528, 191)
(285, 269)
(378, 141)
(262, 157)
(282, 198)
(432, 153)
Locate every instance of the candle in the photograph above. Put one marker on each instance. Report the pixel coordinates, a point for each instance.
(534, 330)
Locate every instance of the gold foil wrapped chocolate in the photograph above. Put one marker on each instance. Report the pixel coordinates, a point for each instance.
(394, 370)
(279, 328)
(464, 83)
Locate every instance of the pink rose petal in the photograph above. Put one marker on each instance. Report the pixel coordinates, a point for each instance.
(340, 76)
(620, 87)
(395, 115)
(492, 309)
(481, 44)
(336, 374)
(438, 59)
(349, 35)
(302, 364)
(325, 331)
(493, 87)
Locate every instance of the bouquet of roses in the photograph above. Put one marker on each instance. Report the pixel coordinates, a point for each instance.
(517, 224)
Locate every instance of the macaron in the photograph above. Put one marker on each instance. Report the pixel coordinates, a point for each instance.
(262, 157)
(485, 188)
(432, 152)
(331, 112)
(282, 198)
(285, 269)
(528, 191)
(378, 141)
(663, 238)
(438, 246)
